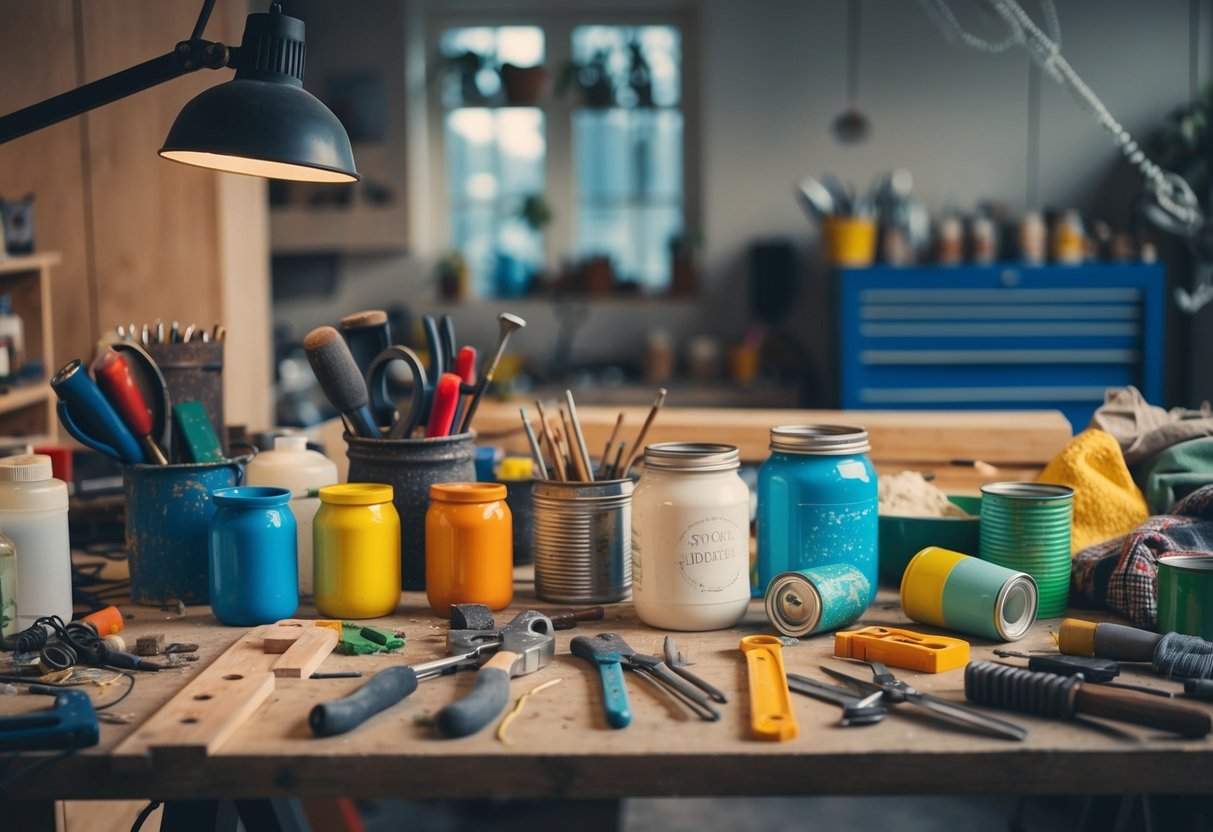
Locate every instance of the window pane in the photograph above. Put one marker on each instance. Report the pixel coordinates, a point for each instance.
(470, 55)
(494, 160)
(635, 56)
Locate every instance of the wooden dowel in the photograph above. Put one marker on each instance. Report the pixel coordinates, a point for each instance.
(615, 473)
(557, 463)
(583, 474)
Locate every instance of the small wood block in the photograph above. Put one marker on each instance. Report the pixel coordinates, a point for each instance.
(150, 645)
(305, 655)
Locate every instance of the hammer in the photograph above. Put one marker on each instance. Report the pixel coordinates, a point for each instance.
(469, 649)
(522, 646)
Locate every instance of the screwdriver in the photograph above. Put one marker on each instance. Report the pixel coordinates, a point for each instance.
(1091, 668)
(116, 381)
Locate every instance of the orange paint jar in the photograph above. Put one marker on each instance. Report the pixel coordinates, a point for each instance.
(469, 554)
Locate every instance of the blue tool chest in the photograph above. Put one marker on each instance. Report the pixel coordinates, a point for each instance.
(1001, 337)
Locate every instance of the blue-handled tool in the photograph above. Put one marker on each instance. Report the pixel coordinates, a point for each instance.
(70, 723)
(615, 693)
(89, 417)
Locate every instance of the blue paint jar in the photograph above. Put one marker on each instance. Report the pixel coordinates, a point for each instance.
(253, 568)
(817, 504)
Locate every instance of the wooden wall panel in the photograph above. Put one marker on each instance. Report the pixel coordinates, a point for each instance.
(37, 41)
(155, 222)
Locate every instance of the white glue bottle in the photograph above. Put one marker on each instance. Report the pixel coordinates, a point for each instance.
(291, 465)
(33, 514)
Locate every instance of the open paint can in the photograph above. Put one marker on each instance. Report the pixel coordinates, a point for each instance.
(969, 595)
(817, 599)
(1185, 595)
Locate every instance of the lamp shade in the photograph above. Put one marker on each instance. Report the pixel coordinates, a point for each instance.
(263, 122)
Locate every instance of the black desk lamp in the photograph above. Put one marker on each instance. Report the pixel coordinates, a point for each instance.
(262, 122)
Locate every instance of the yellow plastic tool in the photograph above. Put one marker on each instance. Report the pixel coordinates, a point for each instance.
(771, 716)
(902, 648)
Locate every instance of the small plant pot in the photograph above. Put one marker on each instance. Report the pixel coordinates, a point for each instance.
(522, 84)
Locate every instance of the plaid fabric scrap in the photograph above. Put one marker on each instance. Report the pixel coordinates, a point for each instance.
(1122, 573)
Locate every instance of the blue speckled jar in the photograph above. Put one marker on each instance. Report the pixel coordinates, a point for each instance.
(254, 574)
(817, 504)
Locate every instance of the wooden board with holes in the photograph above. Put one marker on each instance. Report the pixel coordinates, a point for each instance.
(207, 711)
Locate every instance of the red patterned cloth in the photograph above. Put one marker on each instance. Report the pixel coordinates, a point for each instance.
(1122, 573)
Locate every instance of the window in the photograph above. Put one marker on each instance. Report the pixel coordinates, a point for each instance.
(600, 153)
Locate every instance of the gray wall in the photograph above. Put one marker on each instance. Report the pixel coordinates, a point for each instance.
(772, 80)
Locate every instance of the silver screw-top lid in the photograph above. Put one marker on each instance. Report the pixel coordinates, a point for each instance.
(691, 456)
(833, 440)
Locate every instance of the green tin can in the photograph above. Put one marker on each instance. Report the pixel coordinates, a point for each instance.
(1185, 595)
(1025, 526)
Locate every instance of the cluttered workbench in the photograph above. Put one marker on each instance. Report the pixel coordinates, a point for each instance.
(560, 745)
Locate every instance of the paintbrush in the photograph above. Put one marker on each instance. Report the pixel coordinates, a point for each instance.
(536, 451)
(581, 448)
(579, 465)
(604, 467)
(638, 445)
(557, 463)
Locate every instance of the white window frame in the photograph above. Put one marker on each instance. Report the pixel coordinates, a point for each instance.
(558, 22)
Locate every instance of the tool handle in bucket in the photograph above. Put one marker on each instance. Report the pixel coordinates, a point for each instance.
(69, 424)
(386, 688)
(486, 700)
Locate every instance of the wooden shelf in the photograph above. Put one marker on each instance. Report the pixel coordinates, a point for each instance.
(27, 410)
(354, 228)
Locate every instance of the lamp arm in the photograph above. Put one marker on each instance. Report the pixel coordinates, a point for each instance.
(188, 56)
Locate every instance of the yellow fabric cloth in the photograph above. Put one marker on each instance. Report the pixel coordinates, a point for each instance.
(1107, 503)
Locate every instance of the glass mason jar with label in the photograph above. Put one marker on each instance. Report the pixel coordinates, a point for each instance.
(817, 503)
(690, 538)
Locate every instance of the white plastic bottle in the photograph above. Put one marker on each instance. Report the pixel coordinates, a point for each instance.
(33, 514)
(291, 465)
(690, 538)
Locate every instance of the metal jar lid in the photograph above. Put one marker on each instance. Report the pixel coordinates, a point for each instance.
(691, 456)
(833, 440)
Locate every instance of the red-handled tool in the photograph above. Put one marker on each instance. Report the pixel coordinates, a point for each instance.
(442, 410)
(465, 368)
(119, 386)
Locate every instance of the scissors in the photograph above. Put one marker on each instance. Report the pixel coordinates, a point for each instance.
(420, 397)
(894, 691)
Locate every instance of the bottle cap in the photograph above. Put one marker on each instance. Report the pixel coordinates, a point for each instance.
(356, 494)
(467, 492)
(26, 468)
(290, 443)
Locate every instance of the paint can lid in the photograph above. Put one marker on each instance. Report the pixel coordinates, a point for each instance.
(831, 440)
(793, 604)
(691, 456)
(1016, 607)
(467, 492)
(356, 494)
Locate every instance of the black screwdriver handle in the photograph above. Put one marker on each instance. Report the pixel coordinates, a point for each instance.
(486, 700)
(386, 688)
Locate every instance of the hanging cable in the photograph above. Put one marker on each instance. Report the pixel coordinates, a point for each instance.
(1179, 210)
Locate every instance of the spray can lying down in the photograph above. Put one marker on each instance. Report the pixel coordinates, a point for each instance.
(967, 594)
(817, 599)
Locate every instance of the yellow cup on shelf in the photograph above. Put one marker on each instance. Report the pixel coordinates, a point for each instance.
(850, 241)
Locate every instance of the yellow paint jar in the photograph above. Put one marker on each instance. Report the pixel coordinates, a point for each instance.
(850, 241)
(356, 551)
(469, 551)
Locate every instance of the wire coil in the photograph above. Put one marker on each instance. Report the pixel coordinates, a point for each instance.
(1016, 689)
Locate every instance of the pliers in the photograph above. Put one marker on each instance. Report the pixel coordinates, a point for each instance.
(612, 654)
(893, 691)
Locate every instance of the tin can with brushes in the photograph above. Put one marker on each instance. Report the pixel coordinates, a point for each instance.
(957, 592)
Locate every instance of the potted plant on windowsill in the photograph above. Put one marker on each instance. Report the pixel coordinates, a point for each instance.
(464, 66)
(684, 246)
(592, 78)
(523, 85)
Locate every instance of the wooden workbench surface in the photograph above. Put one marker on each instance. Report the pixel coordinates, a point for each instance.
(564, 749)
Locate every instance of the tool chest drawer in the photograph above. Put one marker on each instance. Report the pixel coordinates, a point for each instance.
(1003, 337)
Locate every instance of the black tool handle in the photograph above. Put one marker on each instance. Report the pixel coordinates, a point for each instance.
(1092, 668)
(386, 688)
(1199, 689)
(488, 698)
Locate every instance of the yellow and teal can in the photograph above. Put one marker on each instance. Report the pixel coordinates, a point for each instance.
(356, 551)
(969, 595)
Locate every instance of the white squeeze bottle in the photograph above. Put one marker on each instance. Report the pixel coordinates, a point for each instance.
(33, 514)
(291, 465)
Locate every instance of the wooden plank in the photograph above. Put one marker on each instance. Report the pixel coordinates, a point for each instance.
(207, 711)
(910, 437)
(309, 649)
